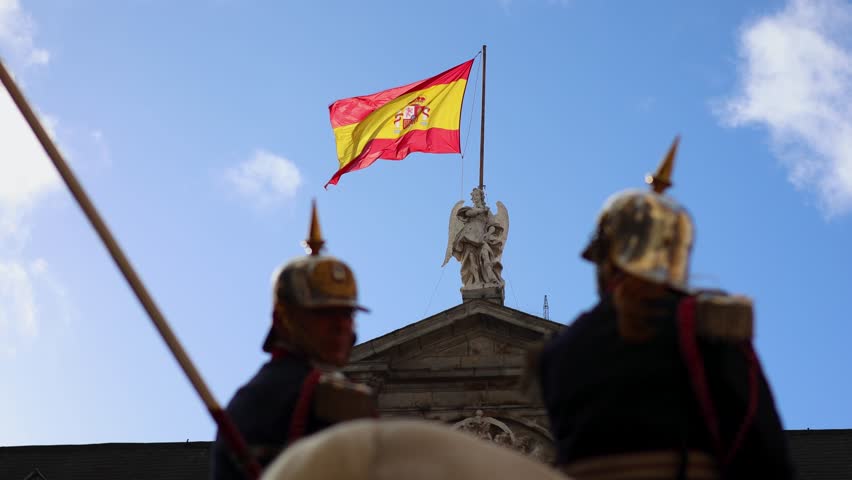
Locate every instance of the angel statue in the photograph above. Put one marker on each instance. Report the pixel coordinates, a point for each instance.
(476, 240)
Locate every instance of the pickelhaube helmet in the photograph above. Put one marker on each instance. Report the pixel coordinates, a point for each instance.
(646, 234)
(314, 281)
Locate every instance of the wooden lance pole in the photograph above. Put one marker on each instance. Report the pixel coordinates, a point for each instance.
(226, 426)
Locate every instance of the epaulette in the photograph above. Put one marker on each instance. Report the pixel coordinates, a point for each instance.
(724, 317)
(337, 399)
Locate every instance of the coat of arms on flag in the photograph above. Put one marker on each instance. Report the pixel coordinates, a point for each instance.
(411, 113)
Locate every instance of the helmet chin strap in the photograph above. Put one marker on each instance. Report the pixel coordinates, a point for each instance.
(290, 333)
(608, 276)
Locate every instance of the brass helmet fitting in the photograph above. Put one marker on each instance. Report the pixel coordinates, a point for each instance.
(311, 282)
(646, 234)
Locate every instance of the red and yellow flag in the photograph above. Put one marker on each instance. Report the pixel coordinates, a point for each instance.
(420, 117)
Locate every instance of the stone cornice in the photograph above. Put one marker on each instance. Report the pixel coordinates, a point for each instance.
(449, 317)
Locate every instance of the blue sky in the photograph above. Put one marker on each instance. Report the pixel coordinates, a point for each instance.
(201, 131)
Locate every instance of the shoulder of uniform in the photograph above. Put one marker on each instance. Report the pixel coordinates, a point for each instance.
(724, 317)
(337, 399)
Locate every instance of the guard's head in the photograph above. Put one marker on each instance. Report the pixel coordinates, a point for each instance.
(644, 234)
(314, 301)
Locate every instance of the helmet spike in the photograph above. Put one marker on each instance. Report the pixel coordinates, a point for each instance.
(662, 178)
(315, 242)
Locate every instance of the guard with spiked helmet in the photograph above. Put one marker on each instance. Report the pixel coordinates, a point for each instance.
(300, 390)
(658, 380)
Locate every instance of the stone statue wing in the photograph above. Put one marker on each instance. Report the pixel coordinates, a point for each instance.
(455, 227)
(501, 221)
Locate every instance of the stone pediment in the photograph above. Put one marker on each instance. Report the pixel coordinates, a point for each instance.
(474, 329)
(463, 367)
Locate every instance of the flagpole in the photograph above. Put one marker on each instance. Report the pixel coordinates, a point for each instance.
(227, 427)
(482, 126)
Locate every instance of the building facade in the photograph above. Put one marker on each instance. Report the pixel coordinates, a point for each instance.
(464, 367)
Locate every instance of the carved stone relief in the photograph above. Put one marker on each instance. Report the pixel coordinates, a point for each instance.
(517, 437)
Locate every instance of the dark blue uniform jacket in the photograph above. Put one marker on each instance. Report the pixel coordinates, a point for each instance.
(263, 411)
(606, 395)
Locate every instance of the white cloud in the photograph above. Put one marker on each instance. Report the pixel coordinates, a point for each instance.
(27, 291)
(26, 174)
(796, 80)
(17, 306)
(16, 34)
(265, 178)
(39, 57)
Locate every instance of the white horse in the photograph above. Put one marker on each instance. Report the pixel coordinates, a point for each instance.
(402, 450)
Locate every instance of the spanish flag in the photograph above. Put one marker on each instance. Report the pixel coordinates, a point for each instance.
(420, 117)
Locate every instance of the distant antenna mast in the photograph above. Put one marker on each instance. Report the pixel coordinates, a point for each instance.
(546, 313)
